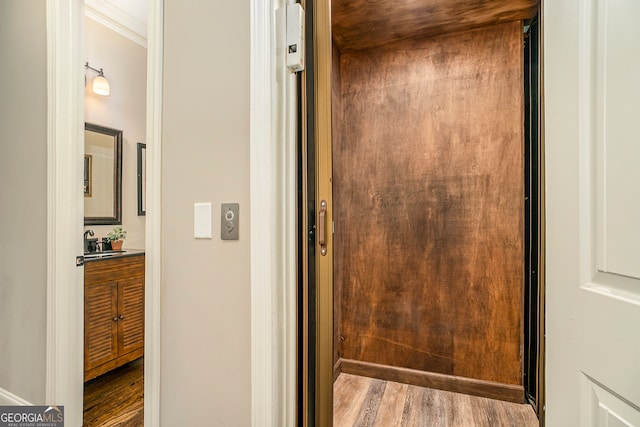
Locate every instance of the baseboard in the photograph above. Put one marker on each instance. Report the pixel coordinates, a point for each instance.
(337, 368)
(490, 389)
(8, 398)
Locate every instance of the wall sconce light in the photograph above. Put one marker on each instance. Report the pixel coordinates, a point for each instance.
(100, 83)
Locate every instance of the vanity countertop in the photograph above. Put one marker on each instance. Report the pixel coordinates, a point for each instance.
(106, 256)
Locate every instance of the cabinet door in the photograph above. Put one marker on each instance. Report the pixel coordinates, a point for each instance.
(100, 324)
(130, 315)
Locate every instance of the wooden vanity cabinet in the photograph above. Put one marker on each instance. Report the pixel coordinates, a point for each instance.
(113, 313)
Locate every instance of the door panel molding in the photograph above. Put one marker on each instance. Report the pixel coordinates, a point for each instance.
(609, 264)
(606, 409)
(614, 37)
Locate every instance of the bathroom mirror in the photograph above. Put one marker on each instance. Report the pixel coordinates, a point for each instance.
(102, 175)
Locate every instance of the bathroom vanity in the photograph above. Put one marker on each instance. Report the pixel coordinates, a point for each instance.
(113, 311)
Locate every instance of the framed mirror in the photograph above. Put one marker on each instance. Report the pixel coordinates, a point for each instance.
(102, 175)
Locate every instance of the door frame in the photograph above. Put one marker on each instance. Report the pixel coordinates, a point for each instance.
(273, 273)
(542, 225)
(324, 191)
(538, 373)
(153, 214)
(65, 282)
(324, 276)
(273, 138)
(65, 211)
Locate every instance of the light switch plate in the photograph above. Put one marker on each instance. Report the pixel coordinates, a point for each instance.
(202, 221)
(229, 221)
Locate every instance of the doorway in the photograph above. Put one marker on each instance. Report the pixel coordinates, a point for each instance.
(394, 292)
(114, 278)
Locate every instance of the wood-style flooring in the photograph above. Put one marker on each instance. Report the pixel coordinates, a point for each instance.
(364, 402)
(116, 398)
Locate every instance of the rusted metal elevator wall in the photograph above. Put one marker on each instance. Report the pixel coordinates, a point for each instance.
(428, 193)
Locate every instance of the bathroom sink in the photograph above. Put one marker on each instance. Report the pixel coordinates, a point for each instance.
(93, 255)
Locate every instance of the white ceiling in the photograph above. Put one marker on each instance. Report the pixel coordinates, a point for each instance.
(126, 17)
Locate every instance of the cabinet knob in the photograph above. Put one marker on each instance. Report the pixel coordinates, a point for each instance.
(121, 316)
(115, 319)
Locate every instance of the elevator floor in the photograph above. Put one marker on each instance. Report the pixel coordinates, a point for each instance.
(366, 402)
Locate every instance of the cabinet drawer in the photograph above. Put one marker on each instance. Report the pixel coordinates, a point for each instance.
(114, 269)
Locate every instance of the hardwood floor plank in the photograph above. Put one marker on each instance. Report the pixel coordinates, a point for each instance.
(461, 410)
(116, 398)
(369, 409)
(520, 415)
(365, 402)
(498, 411)
(484, 415)
(346, 405)
(390, 410)
(438, 407)
(412, 413)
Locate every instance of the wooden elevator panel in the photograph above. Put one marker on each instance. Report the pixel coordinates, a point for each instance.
(428, 193)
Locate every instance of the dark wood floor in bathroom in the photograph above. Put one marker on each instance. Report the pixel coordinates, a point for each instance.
(367, 402)
(116, 398)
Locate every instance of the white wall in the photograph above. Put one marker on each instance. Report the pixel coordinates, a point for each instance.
(125, 66)
(206, 304)
(23, 198)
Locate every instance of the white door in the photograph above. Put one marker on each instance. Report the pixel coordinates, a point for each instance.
(592, 113)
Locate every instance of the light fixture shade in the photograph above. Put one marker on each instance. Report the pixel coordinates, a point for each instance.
(101, 85)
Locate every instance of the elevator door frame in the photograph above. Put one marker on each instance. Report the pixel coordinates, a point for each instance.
(322, 371)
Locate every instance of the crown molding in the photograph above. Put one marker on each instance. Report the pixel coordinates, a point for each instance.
(117, 20)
